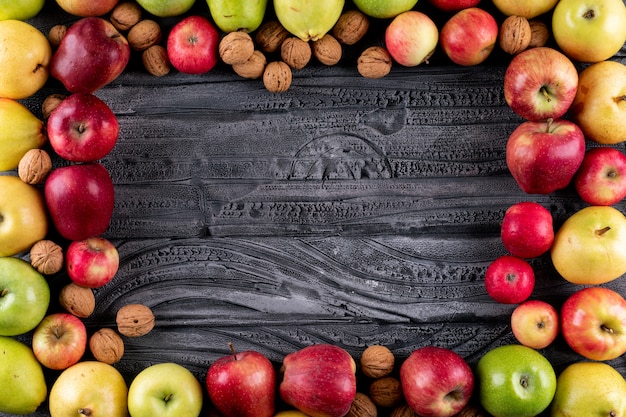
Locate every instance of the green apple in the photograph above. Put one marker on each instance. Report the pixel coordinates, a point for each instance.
(589, 30)
(24, 297)
(167, 390)
(89, 389)
(166, 8)
(21, 378)
(308, 20)
(589, 389)
(20, 10)
(589, 246)
(384, 9)
(524, 8)
(515, 381)
(20, 131)
(237, 15)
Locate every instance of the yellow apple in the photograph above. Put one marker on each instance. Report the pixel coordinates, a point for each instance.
(20, 131)
(23, 216)
(25, 55)
(290, 413)
(599, 107)
(524, 8)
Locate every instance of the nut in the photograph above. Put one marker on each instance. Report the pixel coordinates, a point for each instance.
(277, 77)
(156, 61)
(539, 33)
(514, 34)
(34, 167)
(253, 68)
(46, 257)
(134, 320)
(50, 103)
(236, 48)
(125, 15)
(144, 34)
(374, 62)
(386, 391)
(106, 346)
(377, 361)
(56, 35)
(403, 410)
(270, 36)
(327, 50)
(351, 26)
(295, 52)
(471, 410)
(362, 406)
(80, 301)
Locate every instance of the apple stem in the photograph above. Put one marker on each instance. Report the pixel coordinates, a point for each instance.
(603, 230)
(606, 329)
(84, 411)
(232, 349)
(544, 91)
(4, 292)
(549, 124)
(167, 397)
(524, 381)
(620, 98)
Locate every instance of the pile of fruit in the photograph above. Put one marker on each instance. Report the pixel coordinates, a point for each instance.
(574, 120)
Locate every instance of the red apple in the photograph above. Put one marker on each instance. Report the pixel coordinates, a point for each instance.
(535, 324)
(242, 384)
(543, 157)
(92, 262)
(192, 45)
(86, 8)
(59, 341)
(452, 6)
(469, 36)
(411, 38)
(91, 55)
(319, 380)
(601, 178)
(540, 83)
(593, 323)
(82, 128)
(527, 229)
(509, 279)
(80, 199)
(436, 382)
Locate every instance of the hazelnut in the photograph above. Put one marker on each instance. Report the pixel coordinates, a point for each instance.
(351, 26)
(144, 34)
(46, 257)
(270, 36)
(386, 391)
(362, 406)
(374, 62)
(377, 361)
(253, 68)
(156, 61)
(125, 15)
(327, 50)
(514, 34)
(277, 77)
(539, 33)
(50, 103)
(56, 35)
(403, 410)
(295, 52)
(80, 301)
(106, 346)
(134, 320)
(34, 166)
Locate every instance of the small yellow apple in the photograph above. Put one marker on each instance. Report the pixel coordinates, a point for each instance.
(525, 8)
(20, 131)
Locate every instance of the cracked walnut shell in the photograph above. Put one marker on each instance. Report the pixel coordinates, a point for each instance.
(46, 257)
(34, 166)
(80, 301)
(134, 320)
(106, 346)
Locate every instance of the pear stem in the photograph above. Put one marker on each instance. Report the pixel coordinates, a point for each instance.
(232, 349)
(4, 292)
(603, 230)
(167, 397)
(85, 411)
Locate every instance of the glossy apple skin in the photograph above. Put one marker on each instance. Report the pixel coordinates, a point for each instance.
(509, 279)
(535, 323)
(59, 341)
(469, 36)
(91, 55)
(601, 178)
(86, 8)
(543, 157)
(527, 229)
(593, 323)
(411, 38)
(92, 262)
(80, 200)
(82, 128)
(192, 45)
(319, 380)
(242, 384)
(436, 382)
(452, 6)
(540, 83)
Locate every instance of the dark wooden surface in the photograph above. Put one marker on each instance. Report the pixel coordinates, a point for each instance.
(344, 211)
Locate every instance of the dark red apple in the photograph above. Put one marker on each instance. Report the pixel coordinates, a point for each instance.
(601, 178)
(92, 262)
(192, 45)
(452, 6)
(509, 279)
(527, 229)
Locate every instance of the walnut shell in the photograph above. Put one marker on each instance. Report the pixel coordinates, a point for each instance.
(125, 15)
(144, 34)
(50, 103)
(134, 320)
(374, 62)
(515, 34)
(253, 68)
(34, 166)
(277, 77)
(403, 410)
(386, 391)
(472, 410)
(236, 48)
(327, 50)
(156, 61)
(362, 406)
(80, 301)
(351, 26)
(46, 257)
(270, 36)
(295, 52)
(539, 33)
(106, 346)
(377, 361)
(56, 35)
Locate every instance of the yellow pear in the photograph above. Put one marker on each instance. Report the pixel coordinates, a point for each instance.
(20, 131)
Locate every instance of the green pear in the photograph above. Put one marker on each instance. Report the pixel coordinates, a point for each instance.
(384, 9)
(20, 131)
(237, 15)
(21, 378)
(308, 20)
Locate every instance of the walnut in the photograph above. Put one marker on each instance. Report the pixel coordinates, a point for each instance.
(362, 406)
(270, 36)
(134, 320)
(539, 33)
(403, 410)
(351, 26)
(46, 257)
(377, 361)
(514, 34)
(50, 103)
(34, 166)
(295, 52)
(56, 35)
(80, 301)
(253, 68)
(386, 391)
(374, 62)
(125, 15)
(277, 77)
(144, 34)
(106, 346)
(471, 410)
(327, 50)
(156, 61)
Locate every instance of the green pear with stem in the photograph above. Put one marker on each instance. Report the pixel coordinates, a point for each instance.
(308, 20)
(237, 15)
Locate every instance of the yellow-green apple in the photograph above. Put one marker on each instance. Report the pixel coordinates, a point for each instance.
(527, 229)
(237, 15)
(91, 55)
(165, 389)
(82, 128)
(319, 380)
(80, 200)
(25, 57)
(87, 8)
(24, 297)
(589, 30)
(89, 389)
(535, 323)
(543, 157)
(22, 379)
(92, 262)
(599, 107)
(588, 248)
(469, 36)
(411, 38)
(20, 131)
(436, 382)
(593, 323)
(452, 6)
(601, 178)
(242, 384)
(192, 45)
(20, 10)
(525, 8)
(23, 216)
(308, 20)
(384, 9)
(509, 279)
(59, 341)
(586, 389)
(540, 83)
(169, 8)
(515, 380)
